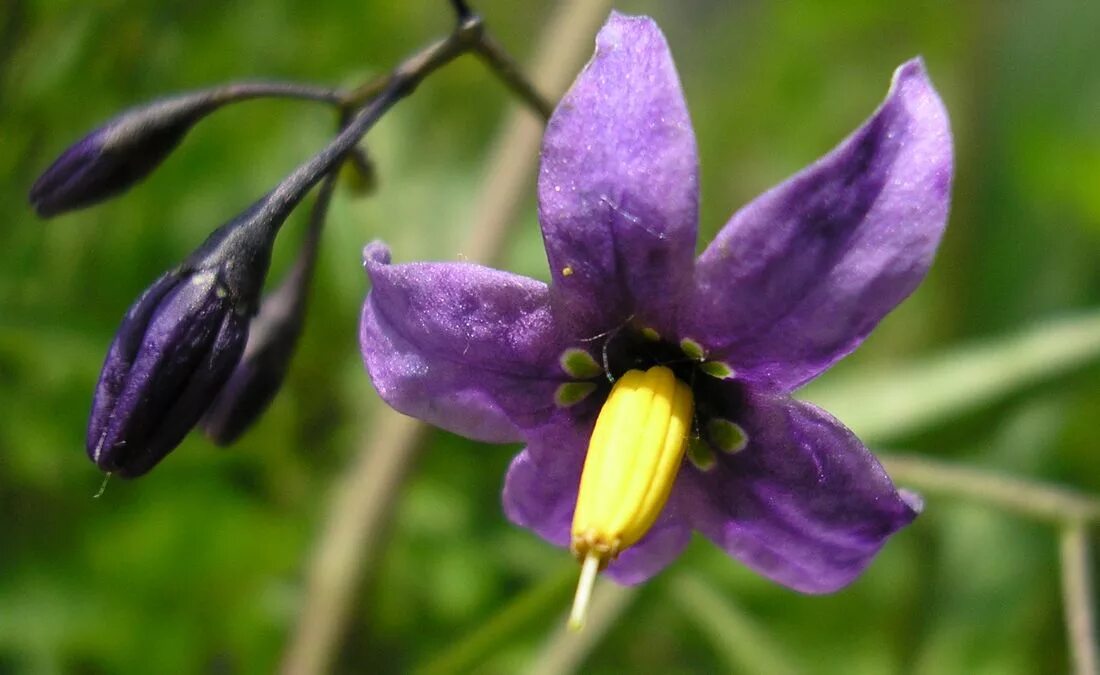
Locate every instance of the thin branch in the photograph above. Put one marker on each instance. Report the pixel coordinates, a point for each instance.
(401, 82)
(1023, 497)
(359, 96)
(367, 491)
(240, 91)
(476, 39)
(1077, 597)
(508, 182)
(509, 73)
(462, 10)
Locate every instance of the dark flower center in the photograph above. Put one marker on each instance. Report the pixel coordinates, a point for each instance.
(716, 398)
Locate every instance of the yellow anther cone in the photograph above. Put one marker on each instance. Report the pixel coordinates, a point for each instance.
(633, 458)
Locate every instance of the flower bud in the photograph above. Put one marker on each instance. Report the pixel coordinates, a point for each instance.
(176, 347)
(118, 154)
(273, 336)
(179, 343)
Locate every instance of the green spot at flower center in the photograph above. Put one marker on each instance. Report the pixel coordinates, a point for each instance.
(579, 363)
(700, 454)
(727, 436)
(572, 393)
(718, 369)
(692, 349)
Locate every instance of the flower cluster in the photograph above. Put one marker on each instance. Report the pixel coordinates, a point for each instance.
(183, 350)
(653, 388)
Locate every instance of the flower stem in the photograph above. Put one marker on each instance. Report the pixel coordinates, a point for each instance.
(399, 84)
(477, 40)
(462, 10)
(502, 65)
(1077, 598)
(469, 35)
(240, 91)
(1023, 497)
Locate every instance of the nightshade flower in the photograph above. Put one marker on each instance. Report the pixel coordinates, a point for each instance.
(698, 431)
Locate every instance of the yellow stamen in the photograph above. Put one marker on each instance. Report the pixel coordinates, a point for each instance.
(633, 458)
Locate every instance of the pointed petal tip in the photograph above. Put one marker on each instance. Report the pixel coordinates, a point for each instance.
(914, 67)
(376, 253)
(914, 501)
(617, 18)
(911, 81)
(623, 29)
(912, 88)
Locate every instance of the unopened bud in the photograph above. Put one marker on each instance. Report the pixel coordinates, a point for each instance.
(119, 154)
(272, 337)
(179, 344)
(172, 353)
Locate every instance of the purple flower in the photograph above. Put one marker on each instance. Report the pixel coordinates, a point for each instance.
(792, 283)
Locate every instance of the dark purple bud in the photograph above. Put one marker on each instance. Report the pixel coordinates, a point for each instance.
(118, 154)
(126, 149)
(179, 344)
(174, 351)
(272, 337)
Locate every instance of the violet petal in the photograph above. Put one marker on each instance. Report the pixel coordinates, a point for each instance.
(540, 493)
(618, 189)
(804, 503)
(470, 349)
(123, 351)
(799, 277)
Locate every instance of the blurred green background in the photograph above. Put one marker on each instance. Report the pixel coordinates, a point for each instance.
(199, 566)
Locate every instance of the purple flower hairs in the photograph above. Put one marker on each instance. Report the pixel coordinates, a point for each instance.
(653, 387)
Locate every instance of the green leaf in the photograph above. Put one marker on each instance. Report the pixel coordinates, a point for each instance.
(890, 404)
(736, 638)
